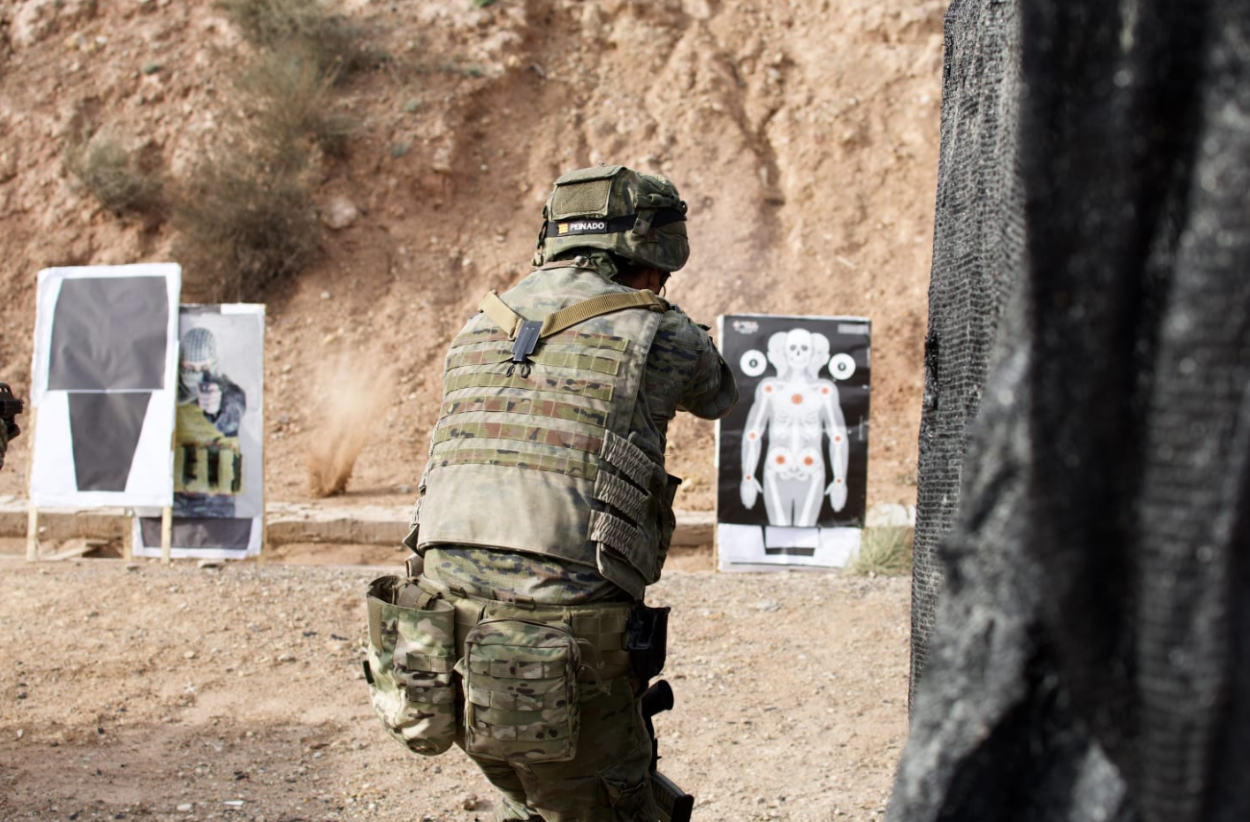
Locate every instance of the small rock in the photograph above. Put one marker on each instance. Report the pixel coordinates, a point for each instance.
(325, 295)
(287, 658)
(21, 732)
(403, 489)
(186, 807)
(210, 563)
(469, 803)
(441, 163)
(768, 605)
(341, 213)
(189, 655)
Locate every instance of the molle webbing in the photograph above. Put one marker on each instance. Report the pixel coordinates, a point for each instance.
(555, 359)
(530, 406)
(580, 339)
(583, 467)
(519, 433)
(500, 378)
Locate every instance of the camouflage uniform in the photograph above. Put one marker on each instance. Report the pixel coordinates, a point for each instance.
(608, 777)
(544, 513)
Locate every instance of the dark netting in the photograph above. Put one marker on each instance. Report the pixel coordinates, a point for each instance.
(978, 247)
(1091, 650)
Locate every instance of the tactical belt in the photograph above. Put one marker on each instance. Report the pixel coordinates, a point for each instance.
(601, 627)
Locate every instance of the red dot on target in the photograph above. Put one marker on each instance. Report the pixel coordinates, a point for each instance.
(781, 460)
(808, 460)
(797, 399)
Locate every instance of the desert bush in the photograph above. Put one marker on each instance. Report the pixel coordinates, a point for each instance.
(241, 227)
(884, 551)
(326, 38)
(112, 174)
(289, 104)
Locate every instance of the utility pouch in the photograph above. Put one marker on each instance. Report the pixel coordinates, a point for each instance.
(646, 639)
(410, 666)
(520, 686)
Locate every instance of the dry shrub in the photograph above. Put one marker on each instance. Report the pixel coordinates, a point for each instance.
(289, 104)
(242, 227)
(112, 174)
(884, 551)
(351, 411)
(325, 37)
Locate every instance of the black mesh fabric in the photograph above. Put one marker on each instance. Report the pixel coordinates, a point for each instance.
(977, 251)
(1090, 643)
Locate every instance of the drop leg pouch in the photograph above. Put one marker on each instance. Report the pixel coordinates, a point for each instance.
(520, 685)
(410, 667)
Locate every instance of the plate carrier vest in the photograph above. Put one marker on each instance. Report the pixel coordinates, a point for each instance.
(205, 460)
(531, 452)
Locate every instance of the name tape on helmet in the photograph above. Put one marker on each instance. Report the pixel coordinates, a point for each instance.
(581, 227)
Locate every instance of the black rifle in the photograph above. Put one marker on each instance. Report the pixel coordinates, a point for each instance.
(10, 407)
(673, 803)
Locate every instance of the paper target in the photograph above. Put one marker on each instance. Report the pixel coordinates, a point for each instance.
(754, 363)
(842, 366)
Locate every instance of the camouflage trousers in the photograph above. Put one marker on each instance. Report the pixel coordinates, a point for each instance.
(608, 779)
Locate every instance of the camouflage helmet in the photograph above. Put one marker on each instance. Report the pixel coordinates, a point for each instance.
(637, 216)
(198, 345)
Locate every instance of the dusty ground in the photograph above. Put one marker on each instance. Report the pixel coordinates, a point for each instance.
(177, 693)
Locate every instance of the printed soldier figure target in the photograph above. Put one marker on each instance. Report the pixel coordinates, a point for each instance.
(219, 501)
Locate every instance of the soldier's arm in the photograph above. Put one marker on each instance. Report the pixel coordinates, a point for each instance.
(711, 391)
(233, 407)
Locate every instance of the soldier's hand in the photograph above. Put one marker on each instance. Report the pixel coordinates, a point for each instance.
(749, 491)
(210, 398)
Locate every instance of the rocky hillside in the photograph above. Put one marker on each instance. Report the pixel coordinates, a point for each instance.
(803, 133)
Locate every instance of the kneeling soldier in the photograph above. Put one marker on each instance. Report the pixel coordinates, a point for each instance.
(545, 511)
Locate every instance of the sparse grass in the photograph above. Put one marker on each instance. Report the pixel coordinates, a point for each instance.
(242, 227)
(326, 38)
(112, 174)
(884, 551)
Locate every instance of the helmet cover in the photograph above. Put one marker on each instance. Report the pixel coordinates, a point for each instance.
(637, 216)
(198, 346)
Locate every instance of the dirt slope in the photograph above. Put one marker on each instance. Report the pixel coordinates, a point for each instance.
(803, 134)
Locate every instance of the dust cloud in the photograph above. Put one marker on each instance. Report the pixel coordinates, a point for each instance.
(355, 395)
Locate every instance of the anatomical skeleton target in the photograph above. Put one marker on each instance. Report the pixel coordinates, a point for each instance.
(793, 455)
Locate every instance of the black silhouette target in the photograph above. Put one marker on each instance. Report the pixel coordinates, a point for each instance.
(108, 351)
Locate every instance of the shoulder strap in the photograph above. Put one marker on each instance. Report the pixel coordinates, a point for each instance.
(557, 321)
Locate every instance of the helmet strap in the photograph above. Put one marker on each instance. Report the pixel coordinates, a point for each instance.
(539, 257)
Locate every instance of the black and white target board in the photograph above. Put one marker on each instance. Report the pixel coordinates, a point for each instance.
(793, 455)
(103, 382)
